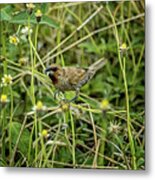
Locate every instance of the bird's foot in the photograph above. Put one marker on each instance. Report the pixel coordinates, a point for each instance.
(56, 94)
(73, 99)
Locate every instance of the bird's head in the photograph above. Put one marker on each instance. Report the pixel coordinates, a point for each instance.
(52, 69)
(53, 72)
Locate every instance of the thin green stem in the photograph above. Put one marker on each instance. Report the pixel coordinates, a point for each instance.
(33, 61)
(10, 123)
(101, 160)
(123, 70)
(3, 121)
(73, 139)
(43, 148)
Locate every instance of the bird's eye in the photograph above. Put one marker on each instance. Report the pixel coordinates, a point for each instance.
(54, 68)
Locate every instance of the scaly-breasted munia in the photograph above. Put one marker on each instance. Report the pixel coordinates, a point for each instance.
(72, 78)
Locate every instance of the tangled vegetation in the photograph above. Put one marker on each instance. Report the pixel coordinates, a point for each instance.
(104, 127)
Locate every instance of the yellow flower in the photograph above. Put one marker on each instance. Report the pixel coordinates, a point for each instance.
(30, 6)
(39, 106)
(44, 133)
(38, 13)
(6, 80)
(104, 104)
(4, 99)
(14, 40)
(123, 47)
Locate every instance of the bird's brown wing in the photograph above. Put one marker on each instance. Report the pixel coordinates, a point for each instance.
(74, 75)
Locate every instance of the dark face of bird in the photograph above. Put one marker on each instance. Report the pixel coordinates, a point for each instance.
(53, 72)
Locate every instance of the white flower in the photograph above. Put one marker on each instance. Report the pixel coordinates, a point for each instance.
(6, 80)
(25, 30)
(24, 33)
(30, 6)
(14, 40)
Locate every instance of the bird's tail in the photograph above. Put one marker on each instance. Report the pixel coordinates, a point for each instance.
(91, 71)
(98, 65)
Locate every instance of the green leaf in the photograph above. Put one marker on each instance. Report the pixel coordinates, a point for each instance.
(24, 138)
(140, 162)
(93, 48)
(48, 21)
(90, 47)
(44, 7)
(5, 13)
(22, 18)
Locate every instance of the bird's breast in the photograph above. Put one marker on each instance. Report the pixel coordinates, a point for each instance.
(53, 78)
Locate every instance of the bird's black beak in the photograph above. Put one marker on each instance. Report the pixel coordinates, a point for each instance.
(48, 69)
(49, 72)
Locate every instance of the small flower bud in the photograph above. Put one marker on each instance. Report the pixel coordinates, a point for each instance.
(23, 61)
(104, 104)
(38, 15)
(44, 133)
(123, 48)
(64, 106)
(39, 107)
(3, 99)
(30, 7)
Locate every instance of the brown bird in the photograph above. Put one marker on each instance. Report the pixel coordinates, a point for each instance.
(72, 78)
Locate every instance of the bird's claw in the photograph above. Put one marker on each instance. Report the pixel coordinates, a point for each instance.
(55, 94)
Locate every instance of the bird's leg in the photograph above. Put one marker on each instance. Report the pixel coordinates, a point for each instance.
(57, 92)
(76, 96)
(57, 96)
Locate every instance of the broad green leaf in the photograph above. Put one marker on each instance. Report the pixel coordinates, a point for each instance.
(5, 13)
(24, 139)
(22, 18)
(48, 21)
(93, 48)
(44, 7)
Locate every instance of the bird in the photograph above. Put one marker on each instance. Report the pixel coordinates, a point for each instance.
(69, 78)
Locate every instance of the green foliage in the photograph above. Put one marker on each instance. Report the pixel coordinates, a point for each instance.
(24, 138)
(22, 17)
(104, 127)
(5, 13)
